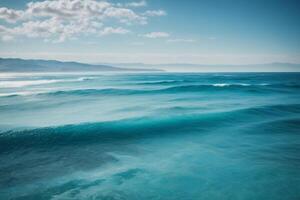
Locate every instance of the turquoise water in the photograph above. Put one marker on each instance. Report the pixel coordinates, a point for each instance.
(150, 136)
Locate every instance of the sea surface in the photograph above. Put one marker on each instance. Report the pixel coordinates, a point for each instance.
(140, 136)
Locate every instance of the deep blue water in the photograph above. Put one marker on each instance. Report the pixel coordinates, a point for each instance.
(150, 136)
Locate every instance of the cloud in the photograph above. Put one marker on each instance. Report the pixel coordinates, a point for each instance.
(66, 9)
(53, 28)
(37, 28)
(59, 20)
(156, 35)
(154, 13)
(10, 15)
(111, 30)
(124, 15)
(136, 4)
(78, 9)
(181, 40)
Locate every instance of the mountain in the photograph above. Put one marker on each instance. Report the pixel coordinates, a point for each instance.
(21, 65)
(186, 67)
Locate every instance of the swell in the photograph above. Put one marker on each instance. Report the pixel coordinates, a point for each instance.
(24, 83)
(221, 87)
(289, 125)
(242, 87)
(165, 82)
(141, 128)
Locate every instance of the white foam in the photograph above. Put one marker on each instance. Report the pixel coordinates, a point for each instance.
(221, 84)
(244, 84)
(227, 84)
(85, 78)
(264, 84)
(17, 94)
(15, 84)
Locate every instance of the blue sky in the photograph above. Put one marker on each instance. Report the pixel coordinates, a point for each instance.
(153, 31)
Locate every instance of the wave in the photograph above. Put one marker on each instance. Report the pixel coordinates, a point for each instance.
(164, 82)
(14, 94)
(261, 87)
(214, 87)
(14, 84)
(106, 91)
(242, 87)
(117, 91)
(227, 84)
(278, 126)
(138, 128)
(169, 82)
(24, 83)
(86, 78)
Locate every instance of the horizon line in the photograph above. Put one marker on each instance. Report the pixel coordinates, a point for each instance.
(145, 63)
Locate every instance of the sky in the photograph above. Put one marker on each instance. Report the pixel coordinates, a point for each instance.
(152, 31)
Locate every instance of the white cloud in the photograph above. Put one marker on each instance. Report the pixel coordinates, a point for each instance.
(124, 15)
(181, 40)
(154, 13)
(10, 15)
(78, 9)
(156, 35)
(53, 28)
(39, 28)
(111, 30)
(67, 8)
(137, 4)
(59, 20)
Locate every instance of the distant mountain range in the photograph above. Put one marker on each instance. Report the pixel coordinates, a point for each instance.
(21, 65)
(186, 67)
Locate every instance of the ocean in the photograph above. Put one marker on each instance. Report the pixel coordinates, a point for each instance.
(115, 136)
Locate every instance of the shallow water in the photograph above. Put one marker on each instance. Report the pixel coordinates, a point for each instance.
(150, 136)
